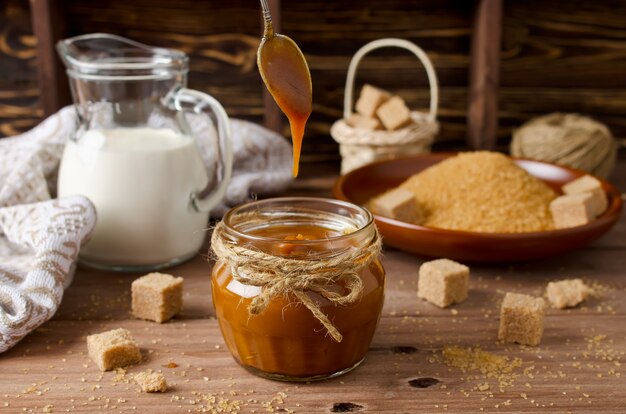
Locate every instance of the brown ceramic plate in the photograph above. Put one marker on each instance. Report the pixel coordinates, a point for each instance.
(362, 184)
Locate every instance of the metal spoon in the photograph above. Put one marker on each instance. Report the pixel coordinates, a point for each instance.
(289, 46)
(287, 77)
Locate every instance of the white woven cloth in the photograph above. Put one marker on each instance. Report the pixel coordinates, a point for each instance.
(39, 244)
(40, 237)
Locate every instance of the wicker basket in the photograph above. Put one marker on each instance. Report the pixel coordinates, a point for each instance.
(360, 146)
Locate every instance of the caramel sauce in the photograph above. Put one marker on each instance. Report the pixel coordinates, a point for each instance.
(287, 77)
(286, 340)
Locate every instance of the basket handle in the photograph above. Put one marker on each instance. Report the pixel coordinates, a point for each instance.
(391, 42)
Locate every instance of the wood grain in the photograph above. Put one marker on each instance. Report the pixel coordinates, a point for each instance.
(48, 22)
(578, 367)
(557, 56)
(482, 112)
(563, 56)
(19, 92)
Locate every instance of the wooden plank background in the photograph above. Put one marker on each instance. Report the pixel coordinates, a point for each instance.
(19, 98)
(564, 55)
(556, 56)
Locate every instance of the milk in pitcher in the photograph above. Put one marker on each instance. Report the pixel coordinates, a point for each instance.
(140, 181)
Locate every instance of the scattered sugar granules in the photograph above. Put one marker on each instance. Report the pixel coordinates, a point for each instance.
(482, 191)
(491, 366)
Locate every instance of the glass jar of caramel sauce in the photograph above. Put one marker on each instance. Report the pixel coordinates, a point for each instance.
(286, 341)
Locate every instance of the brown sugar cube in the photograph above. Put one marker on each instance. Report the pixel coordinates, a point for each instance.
(589, 184)
(157, 297)
(399, 204)
(443, 282)
(567, 293)
(151, 381)
(360, 121)
(521, 319)
(113, 349)
(394, 113)
(370, 100)
(572, 210)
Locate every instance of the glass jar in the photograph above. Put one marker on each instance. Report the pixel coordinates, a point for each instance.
(286, 341)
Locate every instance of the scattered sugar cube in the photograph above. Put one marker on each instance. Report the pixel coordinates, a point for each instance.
(567, 293)
(370, 100)
(521, 319)
(113, 349)
(399, 204)
(151, 381)
(572, 210)
(443, 282)
(157, 297)
(360, 121)
(394, 113)
(589, 184)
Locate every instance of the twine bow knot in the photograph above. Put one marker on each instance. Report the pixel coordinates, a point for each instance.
(282, 276)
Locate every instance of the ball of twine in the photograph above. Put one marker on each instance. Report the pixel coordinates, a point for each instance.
(568, 139)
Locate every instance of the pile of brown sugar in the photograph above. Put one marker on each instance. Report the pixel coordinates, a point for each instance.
(483, 192)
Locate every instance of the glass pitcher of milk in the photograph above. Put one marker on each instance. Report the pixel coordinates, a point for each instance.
(134, 156)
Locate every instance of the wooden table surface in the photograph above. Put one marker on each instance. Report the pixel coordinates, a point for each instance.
(577, 368)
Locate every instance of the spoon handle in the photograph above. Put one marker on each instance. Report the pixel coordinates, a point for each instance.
(267, 18)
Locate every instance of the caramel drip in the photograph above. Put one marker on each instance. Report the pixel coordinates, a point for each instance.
(287, 78)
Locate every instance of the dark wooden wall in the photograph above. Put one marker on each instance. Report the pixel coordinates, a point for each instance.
(19, 94)
(563, 55)
(557, 55)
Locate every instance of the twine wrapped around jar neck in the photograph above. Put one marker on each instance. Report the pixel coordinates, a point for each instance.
(278, 275)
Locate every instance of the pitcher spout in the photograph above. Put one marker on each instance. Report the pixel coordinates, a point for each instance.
(109, 57)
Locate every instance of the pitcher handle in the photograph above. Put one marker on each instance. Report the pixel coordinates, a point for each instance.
(199, 101)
